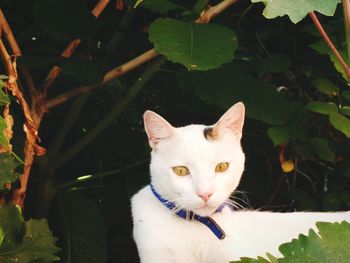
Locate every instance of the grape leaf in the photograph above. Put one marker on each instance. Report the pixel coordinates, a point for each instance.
(297, 9)
(330, 245)
(25, 242)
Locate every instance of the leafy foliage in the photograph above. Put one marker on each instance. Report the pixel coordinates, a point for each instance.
(330, 245)
(297, 10)
(25, 241)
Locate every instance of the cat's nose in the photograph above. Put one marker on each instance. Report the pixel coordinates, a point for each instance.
(205, 196)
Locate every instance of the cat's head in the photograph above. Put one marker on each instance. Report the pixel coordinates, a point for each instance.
(197, 166)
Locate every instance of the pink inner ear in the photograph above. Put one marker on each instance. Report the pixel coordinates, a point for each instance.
(232, 120)
(157, 128)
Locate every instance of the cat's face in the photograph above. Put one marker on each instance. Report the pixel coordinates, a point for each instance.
(197, 166)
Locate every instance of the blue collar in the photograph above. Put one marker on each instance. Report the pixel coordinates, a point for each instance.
(189, 215)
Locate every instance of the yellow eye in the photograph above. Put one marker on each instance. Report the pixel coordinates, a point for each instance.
(181, 170)
(221, 167)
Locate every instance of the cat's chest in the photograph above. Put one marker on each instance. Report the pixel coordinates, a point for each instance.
(188, 239)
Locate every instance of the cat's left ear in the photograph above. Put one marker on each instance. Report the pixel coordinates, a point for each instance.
(157, 128)
(232, 121)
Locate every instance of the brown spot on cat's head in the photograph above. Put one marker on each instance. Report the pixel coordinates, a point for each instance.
(210, 133)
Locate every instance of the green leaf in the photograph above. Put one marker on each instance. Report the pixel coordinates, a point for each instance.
(235, 85)
(305, 248)
(297, 9)
(4, 98)
(275, 64)
(279, 135)
(160, 6)
(196, 46)
(3, 139)
(8, 166)
(330, 245)
(85, 229)
(65, 20)
(346, 95)
(137, 3)
(326, 108)
(86, 72)
(25, 242)
(321, 148)
(326, 87)
(321, 47)
(341, 123)
(11, 223)
(335, 239)
(2, 235)
(345, 110)
(38, 244)
(337, 64)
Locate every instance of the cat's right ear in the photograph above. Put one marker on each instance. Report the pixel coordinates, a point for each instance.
(157, 128)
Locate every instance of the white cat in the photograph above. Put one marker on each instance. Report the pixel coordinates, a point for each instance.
(196, 168)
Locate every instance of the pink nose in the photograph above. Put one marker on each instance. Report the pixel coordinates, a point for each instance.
(205, 196)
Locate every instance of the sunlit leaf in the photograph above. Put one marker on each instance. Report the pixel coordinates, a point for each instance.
(330, 245)
(196, 46)
(341, 123)
(297, 9)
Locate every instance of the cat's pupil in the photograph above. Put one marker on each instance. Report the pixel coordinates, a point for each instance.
(221, 167)
(181, 170)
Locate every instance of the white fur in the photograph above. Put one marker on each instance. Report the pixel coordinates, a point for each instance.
(162, 236)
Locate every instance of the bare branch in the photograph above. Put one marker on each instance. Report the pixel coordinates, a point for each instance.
(213, 11)
(69, 50)
(30, 127)
(205, 17)
(16, 51)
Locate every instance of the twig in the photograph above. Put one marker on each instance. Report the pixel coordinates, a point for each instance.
(330, 43)
(16, 51)
(213, 11)
(110, 75)
(30, 127)
(205, 17)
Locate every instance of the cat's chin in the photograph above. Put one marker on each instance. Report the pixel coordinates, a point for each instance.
(205, 210)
